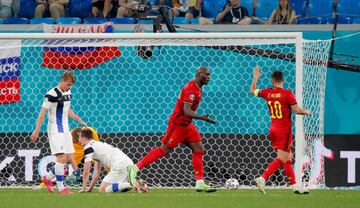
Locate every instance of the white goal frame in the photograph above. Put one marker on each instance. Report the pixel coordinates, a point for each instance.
(295, 38)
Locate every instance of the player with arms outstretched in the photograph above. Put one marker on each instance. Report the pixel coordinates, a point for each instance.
(280, 102)
(182, 130)
(104, 154)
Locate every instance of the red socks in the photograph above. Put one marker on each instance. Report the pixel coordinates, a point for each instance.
(273, 166)
(290, 172)
(197, 162)
(152, 156)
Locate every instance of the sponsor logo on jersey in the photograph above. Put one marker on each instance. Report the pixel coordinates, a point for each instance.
(192, 97)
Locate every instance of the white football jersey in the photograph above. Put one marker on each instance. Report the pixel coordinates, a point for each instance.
(58, 105)
(106, 154)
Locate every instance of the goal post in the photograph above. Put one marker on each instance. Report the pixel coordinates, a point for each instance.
(299, 133)
(128, 95)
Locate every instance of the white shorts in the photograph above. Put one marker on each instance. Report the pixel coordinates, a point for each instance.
(117, 174)
(61, 143)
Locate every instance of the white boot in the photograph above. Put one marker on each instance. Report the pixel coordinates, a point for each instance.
(260, 183)
(299, 190)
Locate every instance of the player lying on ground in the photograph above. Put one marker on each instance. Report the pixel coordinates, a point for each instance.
(281, 102)
(104, 154)
(182, 130)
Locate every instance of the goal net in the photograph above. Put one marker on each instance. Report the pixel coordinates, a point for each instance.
(127, 95)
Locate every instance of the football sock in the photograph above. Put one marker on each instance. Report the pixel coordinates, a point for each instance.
(51, 174)
(290, 172)
(197, 162)
(59, 172)
(152, 156)
(273, 166)
(116, 187)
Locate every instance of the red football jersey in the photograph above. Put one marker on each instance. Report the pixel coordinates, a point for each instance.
(191, 93)
(279, 101)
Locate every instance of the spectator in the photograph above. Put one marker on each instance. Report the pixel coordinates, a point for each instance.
(6, 8)
(233, 13)
(56, 8)
(180, 8)
(127, 8)
(194, 9)
(284, 14)
(101, 8)
(166, 3)
(154, 6)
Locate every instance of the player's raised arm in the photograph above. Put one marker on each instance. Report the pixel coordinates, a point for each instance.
(39, 121)
(76, 118)
(192, 114)
(257, 75)
(296, 109)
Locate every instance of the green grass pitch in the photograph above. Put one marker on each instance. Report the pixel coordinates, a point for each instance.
(172, 198)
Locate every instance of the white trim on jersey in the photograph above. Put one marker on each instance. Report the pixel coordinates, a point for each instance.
(58, 105)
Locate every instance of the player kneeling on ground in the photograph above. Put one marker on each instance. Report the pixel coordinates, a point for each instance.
(78, 156)
(104, 154)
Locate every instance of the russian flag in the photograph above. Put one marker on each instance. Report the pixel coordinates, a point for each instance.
(10, 73)
(71, 58)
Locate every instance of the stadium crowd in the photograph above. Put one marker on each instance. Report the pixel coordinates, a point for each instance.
(183, 11)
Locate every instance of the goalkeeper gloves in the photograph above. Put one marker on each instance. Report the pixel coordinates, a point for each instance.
(78, 175)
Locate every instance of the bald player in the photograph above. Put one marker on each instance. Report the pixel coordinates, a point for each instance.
(181, 130)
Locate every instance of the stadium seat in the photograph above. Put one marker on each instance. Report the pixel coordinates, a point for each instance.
(13, 20)
(299, 7)
(1, 21)
(341, 20)
(152, 2)
(146, 22)
(248, 4)
(264, 8)
(94, 20)
(180, 20)
(195, 21)
(211, 8)
(315, 20)
(124, 20)
(348, 8)
(356, 21)
(27, 8)
(80, 8)
(321, 8)
(68, 20)
(42, 20)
